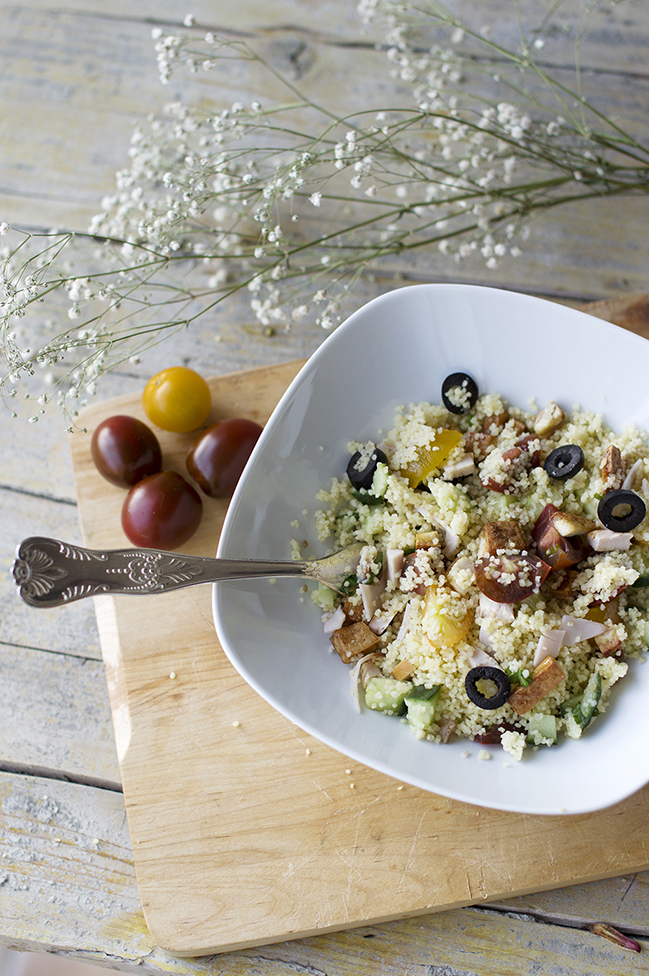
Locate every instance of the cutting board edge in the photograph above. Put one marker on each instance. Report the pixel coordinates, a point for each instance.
(183, 952)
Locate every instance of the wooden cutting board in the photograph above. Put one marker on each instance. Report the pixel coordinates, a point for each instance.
(246, 830)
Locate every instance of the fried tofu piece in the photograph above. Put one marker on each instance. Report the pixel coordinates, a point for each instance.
(478, 443)
(351, 643)
(569, 525)
(546, 676)
(496, 421)
(403, 670)
(353, 611)
(608, 643)
(549, 419)
(612, 468)
(501, 535)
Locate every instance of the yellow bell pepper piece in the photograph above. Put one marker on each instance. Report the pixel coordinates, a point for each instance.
(432, 456)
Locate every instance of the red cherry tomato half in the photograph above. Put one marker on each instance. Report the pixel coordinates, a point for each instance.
(162, 511)
(125, 450)
(177, 399)
(218, 455)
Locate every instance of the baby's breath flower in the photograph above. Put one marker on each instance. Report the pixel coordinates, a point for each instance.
(211, 202)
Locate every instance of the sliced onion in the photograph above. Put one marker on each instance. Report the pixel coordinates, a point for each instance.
(451, 538)
(484, 636)
(381, 621)
(394, 563)
(550, 643)
(631, 474)
(501, 611)
(580, 629)
(406, 622)
(359, 675)
(334, 621)
(477, 658)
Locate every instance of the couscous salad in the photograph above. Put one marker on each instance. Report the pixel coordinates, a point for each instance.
(501, 587)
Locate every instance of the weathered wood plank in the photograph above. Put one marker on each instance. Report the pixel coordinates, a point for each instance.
(54, 712)
(70, 630)
(80, 110)
(67, 885)
(621, 902)
(618, 40)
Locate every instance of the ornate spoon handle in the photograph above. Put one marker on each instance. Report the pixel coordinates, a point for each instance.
(51, 573)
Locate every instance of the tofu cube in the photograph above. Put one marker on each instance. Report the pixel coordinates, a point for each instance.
(545, 677)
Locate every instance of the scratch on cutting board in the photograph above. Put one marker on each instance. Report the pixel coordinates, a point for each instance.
(482, 891)
(322, 790)
(415, 839)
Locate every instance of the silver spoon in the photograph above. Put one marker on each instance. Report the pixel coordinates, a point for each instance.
(52, 573)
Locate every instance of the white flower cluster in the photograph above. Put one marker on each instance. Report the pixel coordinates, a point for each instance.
(296, 205)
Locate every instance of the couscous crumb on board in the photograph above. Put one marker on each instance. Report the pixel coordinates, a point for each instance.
(465, 578)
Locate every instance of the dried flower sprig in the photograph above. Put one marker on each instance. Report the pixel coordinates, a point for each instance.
(294, 202)
(613, 935)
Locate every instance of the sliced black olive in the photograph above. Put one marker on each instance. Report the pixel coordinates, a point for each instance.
(459, 392)
(621, 510)
(364, 477)
(565, 461)
(486, 674)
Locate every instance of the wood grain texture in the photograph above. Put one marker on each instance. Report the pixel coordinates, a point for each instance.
(69, 850)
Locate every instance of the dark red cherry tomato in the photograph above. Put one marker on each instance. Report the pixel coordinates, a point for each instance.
(517, 460)
(162, 511)
(218, 455)
(511, 577)
(556, 550)
(125, 450)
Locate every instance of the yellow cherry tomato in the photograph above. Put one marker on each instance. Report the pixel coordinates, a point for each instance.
(445, 622)
(177, 399)
(431, 456)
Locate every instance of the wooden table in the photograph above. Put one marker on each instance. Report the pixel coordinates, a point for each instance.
(72, 81)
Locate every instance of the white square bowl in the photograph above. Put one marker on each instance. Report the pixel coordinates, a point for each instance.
(397, 350)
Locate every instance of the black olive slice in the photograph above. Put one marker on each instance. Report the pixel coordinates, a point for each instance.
(565, 461)
(363, 478)
(459, 392)
(486, 674)
(621, 510)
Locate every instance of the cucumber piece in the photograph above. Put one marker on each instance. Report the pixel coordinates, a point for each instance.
(367, 498)
(569, 705)
(542, 729)
(422, 693)
(387, 695)
(325, 597)
(589, 700)
(584, 706)
(421, 703)
(380, 480)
